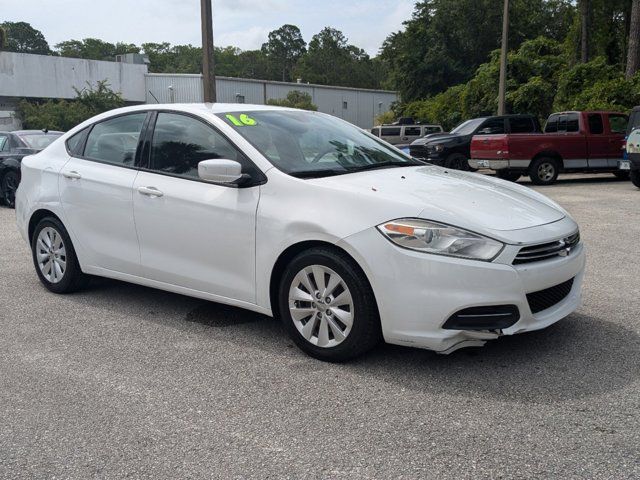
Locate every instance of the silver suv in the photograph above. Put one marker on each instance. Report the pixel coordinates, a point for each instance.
(404, 134)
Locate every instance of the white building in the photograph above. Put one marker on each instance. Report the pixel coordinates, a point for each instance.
(48, 77)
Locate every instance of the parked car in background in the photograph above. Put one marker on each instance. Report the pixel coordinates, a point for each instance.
(14, 146)
(631, 162)
(453, 149)
(303, 216)
(400, 135)
(571, 142)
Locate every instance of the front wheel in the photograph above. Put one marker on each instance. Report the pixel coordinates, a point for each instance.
(457, 161)
(635, 177)
(327, 306)
(54, 257)
(10, 183)
(544, 171)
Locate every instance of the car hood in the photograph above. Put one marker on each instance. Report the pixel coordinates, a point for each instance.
(468, 200)
(435, 138)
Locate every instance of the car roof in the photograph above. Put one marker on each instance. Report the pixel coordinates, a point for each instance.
(33, 132)
(203, 107)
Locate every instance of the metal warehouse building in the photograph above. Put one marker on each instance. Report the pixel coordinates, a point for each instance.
(40, 76)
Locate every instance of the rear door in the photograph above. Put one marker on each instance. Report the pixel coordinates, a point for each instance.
(597, 141)
(617, 128)
(96, 193)
(569, 140)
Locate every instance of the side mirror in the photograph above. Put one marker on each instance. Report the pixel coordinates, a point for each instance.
(220, 171)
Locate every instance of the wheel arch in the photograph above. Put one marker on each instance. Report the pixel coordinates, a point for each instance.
(35, 219)
(549, 154)
(289, 253)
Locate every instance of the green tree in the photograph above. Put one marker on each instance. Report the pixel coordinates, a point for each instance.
(295, 99)
(23, 38)
(283, 50)
(94, 49)
(3, 38)
(331, 60)
(66, 114)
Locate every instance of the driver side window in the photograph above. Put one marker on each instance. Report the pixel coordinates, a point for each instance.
(181, 142)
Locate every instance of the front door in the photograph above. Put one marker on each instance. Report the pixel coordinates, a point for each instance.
(597, 142)
(617, 131)
(194, 234)
(96, 194)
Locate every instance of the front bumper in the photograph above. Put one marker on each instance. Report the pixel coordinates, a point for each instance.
(417, 293)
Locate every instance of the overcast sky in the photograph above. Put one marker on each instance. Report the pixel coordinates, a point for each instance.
(241, 23)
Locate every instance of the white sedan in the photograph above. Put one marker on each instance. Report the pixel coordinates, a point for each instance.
(300, 215)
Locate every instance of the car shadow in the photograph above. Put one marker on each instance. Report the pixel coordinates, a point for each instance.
(580, 356)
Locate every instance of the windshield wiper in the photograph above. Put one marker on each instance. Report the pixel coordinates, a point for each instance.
(374, 166)
(324, 172)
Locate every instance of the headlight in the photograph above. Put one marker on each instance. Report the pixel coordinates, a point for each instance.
(439, 148)
(439, 239)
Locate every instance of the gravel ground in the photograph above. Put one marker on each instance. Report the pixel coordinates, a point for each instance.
(124, 381)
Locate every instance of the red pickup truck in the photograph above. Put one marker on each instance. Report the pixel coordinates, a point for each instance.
(571, 142)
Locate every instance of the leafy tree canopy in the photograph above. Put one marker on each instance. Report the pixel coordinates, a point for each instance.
(21, 37)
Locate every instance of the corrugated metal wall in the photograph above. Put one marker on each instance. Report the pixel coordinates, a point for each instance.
(358, 106)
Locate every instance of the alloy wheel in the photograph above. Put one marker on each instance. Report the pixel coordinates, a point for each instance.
(321, 306)
(51, 255)
(546, 171)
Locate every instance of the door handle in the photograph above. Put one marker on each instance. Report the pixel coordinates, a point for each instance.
(150, 191)
(72, 175)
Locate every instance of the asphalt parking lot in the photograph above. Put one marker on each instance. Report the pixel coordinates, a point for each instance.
(124, 381)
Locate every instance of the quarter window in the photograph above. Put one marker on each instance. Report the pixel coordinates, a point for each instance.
(115, 141)
(4, 144)
(596, 126)
(75, 143)
(181, 142)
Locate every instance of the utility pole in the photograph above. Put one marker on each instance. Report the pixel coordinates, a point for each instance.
(208, 65)
(633, 55)
(503, 59)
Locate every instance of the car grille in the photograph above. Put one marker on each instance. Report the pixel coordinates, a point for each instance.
(539, 301)
(418, 151)
(545, 251)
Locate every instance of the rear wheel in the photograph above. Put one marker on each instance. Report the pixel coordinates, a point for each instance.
(457, 161)
(54, 257)
(635, 177)
(327, 306)
(509, 175)
(10, 183)
(544, 171)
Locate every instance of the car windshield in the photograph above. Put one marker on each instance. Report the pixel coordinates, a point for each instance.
(308, 144)
(468, 127)
(39, 141)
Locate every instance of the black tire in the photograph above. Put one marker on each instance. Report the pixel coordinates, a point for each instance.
(509, 175)
(544, 171)
(634, 175)
(72, 278)
(10, 182)
(365, 330)
(457, 161)
(622, 174)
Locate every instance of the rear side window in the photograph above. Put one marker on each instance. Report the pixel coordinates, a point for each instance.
(391, 132)
(115, 141)
(412, 131)
(522, 125)
(375, 131)
(596, 127)
(618, 123)
(4, 143)
(428, 130)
